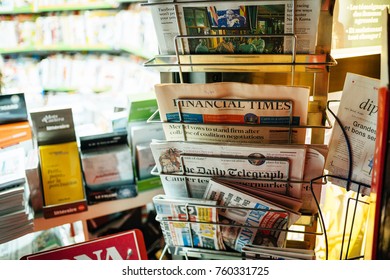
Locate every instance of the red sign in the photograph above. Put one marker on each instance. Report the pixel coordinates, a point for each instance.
(129, 245)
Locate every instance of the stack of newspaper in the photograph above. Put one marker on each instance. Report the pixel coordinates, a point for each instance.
(189, 222)
(227, 217)
(244, 194)
(16, 215)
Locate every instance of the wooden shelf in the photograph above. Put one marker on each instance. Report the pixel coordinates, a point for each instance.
(97, 210)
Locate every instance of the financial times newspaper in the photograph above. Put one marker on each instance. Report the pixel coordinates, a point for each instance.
(244, 113)
(267, 18)
(189, 222)
(266, 162)
(252, 226)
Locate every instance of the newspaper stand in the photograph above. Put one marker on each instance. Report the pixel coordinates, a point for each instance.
(298, 69)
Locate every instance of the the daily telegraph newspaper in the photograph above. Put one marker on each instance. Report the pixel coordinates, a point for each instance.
(238, 162)
(272, 19)
(358, 114)
(195, 186)
(253, 225)
(189, 222)
(233, 112)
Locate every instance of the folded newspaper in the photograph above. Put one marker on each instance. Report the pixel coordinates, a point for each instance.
(189, 222)
(275, 163)
(195, 186)
(263, 26)
(233, 112)
(272, 253)
(258, 221)
(274, 197)
(358, 114)
(314, 170)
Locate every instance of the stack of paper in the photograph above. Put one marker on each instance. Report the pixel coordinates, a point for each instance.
(16, 216)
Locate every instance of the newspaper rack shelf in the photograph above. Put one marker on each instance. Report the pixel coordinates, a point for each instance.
(306, 220)
(192, 251)
(278, 63)
(202, 253)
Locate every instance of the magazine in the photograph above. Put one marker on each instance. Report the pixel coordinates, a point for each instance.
(245, 113)
(189, 222)
(233, 161)
(252, 225)
(250, 27)
(358, 114)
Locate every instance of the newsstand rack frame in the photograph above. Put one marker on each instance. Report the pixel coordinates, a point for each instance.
(292, 69)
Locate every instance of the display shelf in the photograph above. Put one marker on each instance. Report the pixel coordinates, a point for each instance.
(95, 35)
(31, 9)
(97, 210)
(58, 48)
(242, 63)
(78, 7)
(42, 49)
